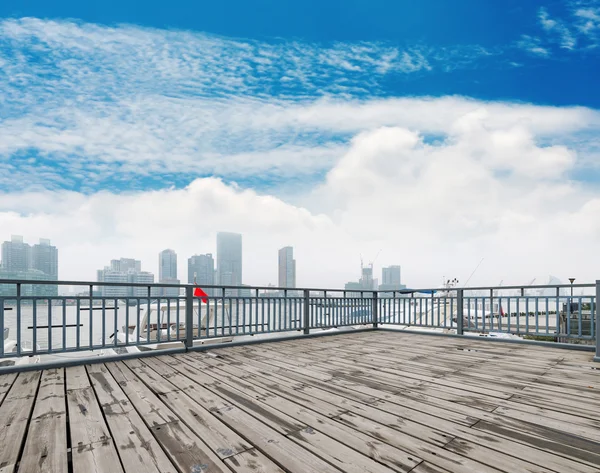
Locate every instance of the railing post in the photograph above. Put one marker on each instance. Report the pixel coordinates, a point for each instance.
(459, 311)
(306, 311)
(189, 317)
(375, 310)
(597, 357)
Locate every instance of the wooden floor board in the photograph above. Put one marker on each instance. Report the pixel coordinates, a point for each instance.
(376, 402)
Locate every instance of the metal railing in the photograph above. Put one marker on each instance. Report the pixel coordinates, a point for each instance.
(123, 318)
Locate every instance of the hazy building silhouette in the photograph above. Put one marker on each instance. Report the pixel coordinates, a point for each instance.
(287, 267)
(202, 268)
(229, 260)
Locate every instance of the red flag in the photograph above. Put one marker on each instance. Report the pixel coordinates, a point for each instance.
(198, 292)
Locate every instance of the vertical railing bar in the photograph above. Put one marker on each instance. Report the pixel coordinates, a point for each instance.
(126, 330)
(18, 320)
(149, 317)
(64, 320)
(116, 317)
(306, 308)
(527, 314)
(537, 315)
(91, 317)
(547, 315)
(103, 322)
(49, 303)
(78, 321)
(168, 317)
(137, 327)
(34, 335)
(178, 315)
(159, 318)
(579, 317)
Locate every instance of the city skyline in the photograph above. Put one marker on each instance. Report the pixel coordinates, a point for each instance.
(126, 264)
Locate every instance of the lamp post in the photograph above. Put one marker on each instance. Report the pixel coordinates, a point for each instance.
(572, 280)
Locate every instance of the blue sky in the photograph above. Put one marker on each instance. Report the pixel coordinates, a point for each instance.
(338, 113)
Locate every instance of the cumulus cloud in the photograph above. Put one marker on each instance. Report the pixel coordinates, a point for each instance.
(488, 189)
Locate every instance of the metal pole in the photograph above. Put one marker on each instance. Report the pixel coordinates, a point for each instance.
(597, 357)
(375, 309)
(189, 317)
(306, 312)
(459, 311)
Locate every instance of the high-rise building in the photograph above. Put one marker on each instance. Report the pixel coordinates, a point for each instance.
(391, 281)
(167, 265)
(44, 258)
(287, 267)
(126, 264)
(229, 260)
(145, 277)
(125, 270)
(16, 255)
(202, 268)
(21, 261)
(391, 275)
(167, 273)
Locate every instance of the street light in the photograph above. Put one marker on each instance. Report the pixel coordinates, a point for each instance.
(572, 280)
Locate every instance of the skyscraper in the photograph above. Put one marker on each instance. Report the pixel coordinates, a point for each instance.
(20, 261)
(203, 268)
(287, 267)
(391, 275)
(229, 259)
(124, 270)
(44, 257)
(391, 279)
(167, 272)
(16, 255)
(167, 265)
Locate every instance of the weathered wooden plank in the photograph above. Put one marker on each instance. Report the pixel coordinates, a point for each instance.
(77, 377)
(147, 404)
(46, 445)
(86, 421)
(186, 450)
(159, 383)
(220, 438)
(111, 397)
(309, 414)
(493, 458)
(579, 450)
(14, 414)
(183, 446)
(138, 449)
(252, 461)
(99, 457)
(336, 453)
(435, 455)
(6, 382)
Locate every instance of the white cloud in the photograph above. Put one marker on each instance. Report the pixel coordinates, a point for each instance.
(488, 189)
(557, 29)
(533, 45)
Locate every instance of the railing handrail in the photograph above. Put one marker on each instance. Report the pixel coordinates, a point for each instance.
(277, 288)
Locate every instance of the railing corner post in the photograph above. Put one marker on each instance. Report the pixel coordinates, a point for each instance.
(306, 311)
(375, 310)
(459, 311)
(189, 317)
(597, 321)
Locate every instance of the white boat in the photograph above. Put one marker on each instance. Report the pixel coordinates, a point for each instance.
(10, 346)
(165, 328)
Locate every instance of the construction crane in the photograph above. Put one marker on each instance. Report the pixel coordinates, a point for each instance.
(375, 259)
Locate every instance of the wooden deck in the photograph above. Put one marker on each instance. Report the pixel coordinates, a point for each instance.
(361, 402)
